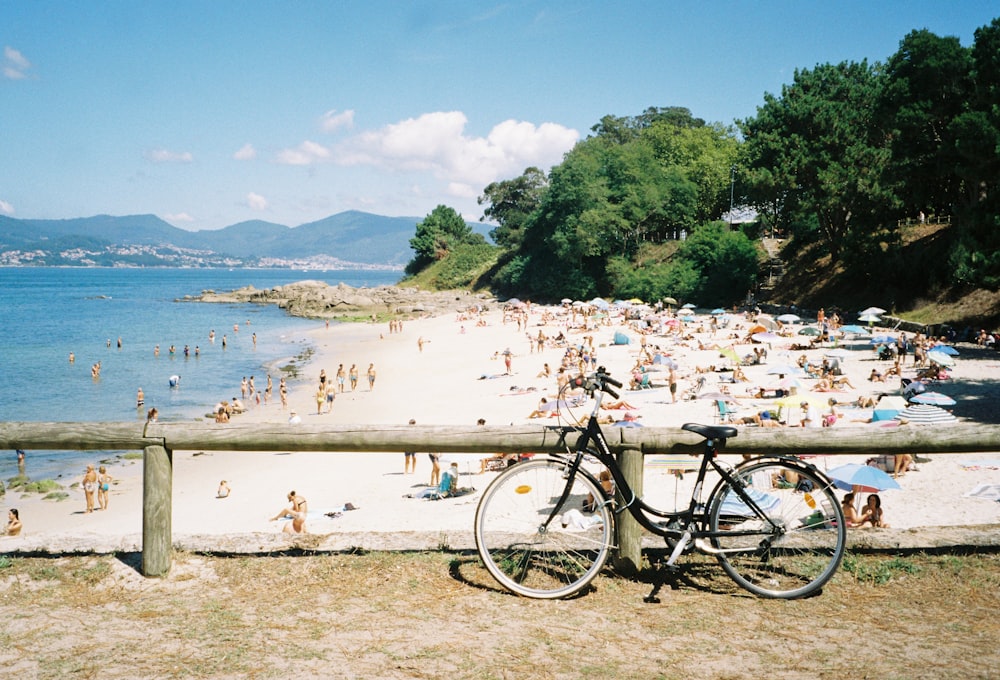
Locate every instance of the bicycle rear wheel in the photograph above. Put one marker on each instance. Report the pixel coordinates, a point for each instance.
(794, 545)
(526, 552)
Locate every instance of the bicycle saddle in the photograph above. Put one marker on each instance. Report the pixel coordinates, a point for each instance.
(715, 432)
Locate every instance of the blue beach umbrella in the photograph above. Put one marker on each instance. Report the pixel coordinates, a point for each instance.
(868, 477)
(718, 310)
(945, 349)
(688, 305)
(853, 329)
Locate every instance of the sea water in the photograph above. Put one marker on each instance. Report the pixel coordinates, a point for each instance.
(48, 313)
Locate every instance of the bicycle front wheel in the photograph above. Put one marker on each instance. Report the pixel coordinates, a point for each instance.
(527, 549)
(788, 540)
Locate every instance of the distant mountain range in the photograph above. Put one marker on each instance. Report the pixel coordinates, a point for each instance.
(349, 239)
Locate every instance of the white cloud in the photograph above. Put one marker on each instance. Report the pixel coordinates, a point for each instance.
(306, 153)
(166, 156)
(6, 208)
(256, 201)
(245, 153)
(178, 217)
(332, 120)
(15, 65)
(436, 142)
(461, 190)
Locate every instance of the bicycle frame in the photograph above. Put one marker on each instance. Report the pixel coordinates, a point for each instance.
(684, 526)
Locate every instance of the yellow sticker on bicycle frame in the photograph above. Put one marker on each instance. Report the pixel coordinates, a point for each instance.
(523, 489)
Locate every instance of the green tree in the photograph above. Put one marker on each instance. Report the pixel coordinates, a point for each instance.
(825, 155)
(510, 203)
(927, 84)
(438, 233)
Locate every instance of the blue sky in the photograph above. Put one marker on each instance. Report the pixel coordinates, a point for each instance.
(210, 113)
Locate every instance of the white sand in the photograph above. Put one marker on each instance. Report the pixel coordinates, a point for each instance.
(441, 385)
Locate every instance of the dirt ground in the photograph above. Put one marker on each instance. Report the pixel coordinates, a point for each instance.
(438, 613)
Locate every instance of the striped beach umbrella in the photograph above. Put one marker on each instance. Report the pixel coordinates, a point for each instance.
(925, 414)
(932, 398)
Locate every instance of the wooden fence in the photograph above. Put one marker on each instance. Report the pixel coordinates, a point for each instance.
(158, 441)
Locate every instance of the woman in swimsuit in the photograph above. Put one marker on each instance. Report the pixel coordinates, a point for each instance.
(297, 512)
(104, 486)
(90, 487)
(13, 523)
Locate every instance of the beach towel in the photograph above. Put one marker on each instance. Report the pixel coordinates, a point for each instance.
(734, 505)
(989, 492)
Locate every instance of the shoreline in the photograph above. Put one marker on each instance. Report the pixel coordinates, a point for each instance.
(456, 378)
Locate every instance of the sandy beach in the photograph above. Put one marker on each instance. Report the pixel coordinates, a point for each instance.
(450, 369)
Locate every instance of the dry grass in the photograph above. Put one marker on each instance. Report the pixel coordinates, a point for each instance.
(416, 615)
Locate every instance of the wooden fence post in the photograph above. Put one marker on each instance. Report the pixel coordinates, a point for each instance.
(157, 512)
(628, 560)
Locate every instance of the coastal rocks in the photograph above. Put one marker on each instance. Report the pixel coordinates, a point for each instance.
(318, 299)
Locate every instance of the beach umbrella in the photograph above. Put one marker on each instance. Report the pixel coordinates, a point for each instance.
(810, 330)
(940, 358)
(669, 301)
(688, 305)
(600, 303)
(870, 318)
(853, 329)
(789, 318)
(789, 383)
(767, 336)
(932, 398)
(688, 319)
(887, 408)
(925, 414)
(945, 349)
(729, 353)
(717, 311)
(875, 311)
(785, 369)
(795, 400)
(513, 301)
(767, 322)
(869, 478)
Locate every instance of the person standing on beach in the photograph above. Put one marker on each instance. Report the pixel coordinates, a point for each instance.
(410, 457)
(89, 487)
(331, 394)
(352, 375)
(340, 378)
(103, 487)
(283, 392)
(268, 389)
(320, 399)
(371, 377)
(435, 468)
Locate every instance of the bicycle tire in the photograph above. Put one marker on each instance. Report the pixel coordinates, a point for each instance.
(529, 558)
(797, 549)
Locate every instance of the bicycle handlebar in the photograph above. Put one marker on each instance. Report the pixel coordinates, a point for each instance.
(600, 380)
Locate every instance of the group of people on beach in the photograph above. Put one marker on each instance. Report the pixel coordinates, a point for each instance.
(96, 485)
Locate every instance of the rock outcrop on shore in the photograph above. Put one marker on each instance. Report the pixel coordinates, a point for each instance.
(319, 300)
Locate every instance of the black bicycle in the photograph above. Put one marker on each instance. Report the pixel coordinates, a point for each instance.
(544, 527)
